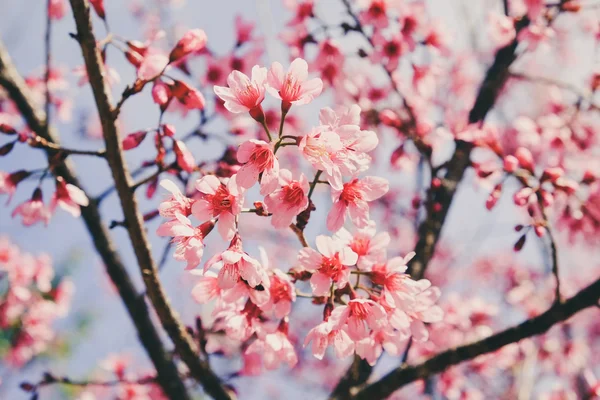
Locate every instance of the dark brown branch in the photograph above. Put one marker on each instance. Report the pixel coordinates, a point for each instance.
(40, 142)
(168, 376)
(405, 374)
(185, 347)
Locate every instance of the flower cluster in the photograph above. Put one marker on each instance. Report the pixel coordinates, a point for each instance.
(30, 301)
(252, 300)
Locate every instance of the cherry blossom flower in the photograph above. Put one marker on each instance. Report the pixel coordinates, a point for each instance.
(325, 335)
(359, 316)
(288, 201)
(376, 12)
(34, 210)
(318, 147)
(257, 158)
(329, 265)
(176, 204)
(292, 87)
(69, 197)
(367, 244)
(244, 94)
(189, 240)
(243, 30)
(218, 199)
(236, 265)
(274, 348)
(184, 157)
(9, 182)
(192, 41)
(354, 198)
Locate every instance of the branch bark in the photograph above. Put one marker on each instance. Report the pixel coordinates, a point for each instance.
(403, 375)
(184, 345)
(167, 374)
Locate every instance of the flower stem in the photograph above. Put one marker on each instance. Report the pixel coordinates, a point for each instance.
(314, 183)
(264, 124)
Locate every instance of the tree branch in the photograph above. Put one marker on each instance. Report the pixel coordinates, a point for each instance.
(403, 375)
(184, 345)
(168, 376)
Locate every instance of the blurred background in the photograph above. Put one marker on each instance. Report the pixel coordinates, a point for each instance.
(97, 328)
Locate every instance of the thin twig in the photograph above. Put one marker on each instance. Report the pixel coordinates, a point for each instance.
(40, 142)
(48, 40)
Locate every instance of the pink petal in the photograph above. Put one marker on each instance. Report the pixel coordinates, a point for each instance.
(320, 284)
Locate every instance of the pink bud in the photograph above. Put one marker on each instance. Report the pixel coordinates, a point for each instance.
(510, 164)
(568, 186)
(525, 158)
(547, 198)
(191, 98)
(151, 189)
(185, 160)
(7, 148)
(168, 130)
(7, 129)
(539, 231)
(191, 42)
(99, 8)
(522, 196)
(552, 173)
(206, 228)
(152, 66)
(588, 177)
(520, 243)
(133, 140)
(161, 94)
(494, 197)
(390, 118)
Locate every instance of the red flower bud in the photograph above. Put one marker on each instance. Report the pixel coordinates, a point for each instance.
(133, 140)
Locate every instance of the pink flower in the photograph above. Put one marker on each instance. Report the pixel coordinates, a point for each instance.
(189, 241)
(57, 9)
(288, 201)
(243, 30)
(184, 157)
(191, 98)
(177, 203)
(375, 13)
(329, 264)
(69, 198)
(221, 200)
(283, 294)
(358, 317)
(367, 244)
(389, 50)
(409, 303)
(9, 182)
(244, 94)
(319, 146)
(274, 348)
(237, 265)
(257, 158)
(33, 210)
(324, 335)
(191, 42)
(153, 65)
(352, 157)
(291, 86)
(354, 198)
(207, 287)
